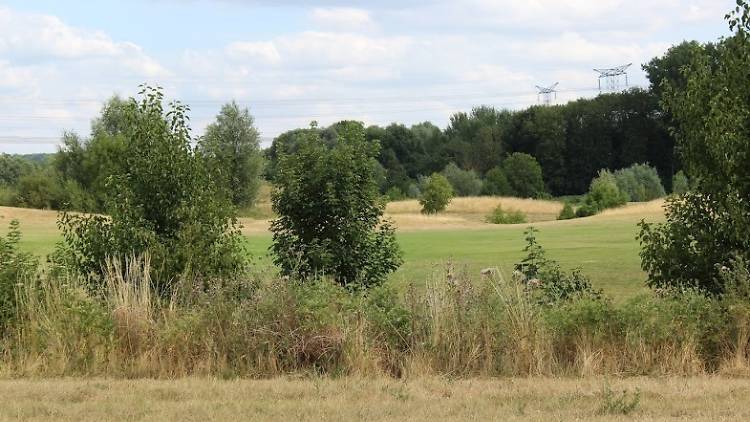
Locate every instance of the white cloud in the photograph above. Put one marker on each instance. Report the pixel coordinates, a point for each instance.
(263, 50)
(342, 18)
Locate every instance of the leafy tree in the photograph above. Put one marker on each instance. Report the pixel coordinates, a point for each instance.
(167, 205)
(12, 168)
(496, 184)
(707, 229)
(89, 163)
(680, 183)
(232, 145)
(330, 211)
(476, 140)
(524, 175)
(436, 194)
(464, 182)
(640, 182)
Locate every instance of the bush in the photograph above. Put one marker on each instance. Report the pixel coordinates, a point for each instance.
(689, 249)
(15, 266)
(603, 193)
(680, 183)
(436, 194)
(394, 193)
(524, 175)
(546, 280)
(167, 204)
(40, 189)
(567, 212)
(501, 216)
(496, 183)
(640, 182)
(464, 182)
(330, 212)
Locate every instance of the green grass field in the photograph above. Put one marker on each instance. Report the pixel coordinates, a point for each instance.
(603, 246)
(605, 249)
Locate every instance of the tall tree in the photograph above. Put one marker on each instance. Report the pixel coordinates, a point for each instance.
(706, 230)
(232, 146)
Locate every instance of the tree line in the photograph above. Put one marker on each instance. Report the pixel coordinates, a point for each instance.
(539, 151)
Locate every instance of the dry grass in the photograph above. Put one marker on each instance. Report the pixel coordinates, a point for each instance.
(375, 399)
(462, 213)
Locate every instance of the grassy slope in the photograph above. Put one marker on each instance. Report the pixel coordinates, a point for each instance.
(604, 246)
(347, 399)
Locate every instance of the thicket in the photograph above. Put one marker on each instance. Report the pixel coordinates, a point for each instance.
(167, 204)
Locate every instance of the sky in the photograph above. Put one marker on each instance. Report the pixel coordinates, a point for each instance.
(292, 61)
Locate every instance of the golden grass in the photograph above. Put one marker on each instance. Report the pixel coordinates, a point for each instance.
(29, 216)
(462, 213)
(372, 399)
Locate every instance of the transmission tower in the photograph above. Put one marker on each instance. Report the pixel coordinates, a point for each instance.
(612, 77)
(546, 94)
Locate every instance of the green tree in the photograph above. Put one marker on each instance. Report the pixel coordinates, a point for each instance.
(232, 145)
(331, 211)
(436, 194)
(524, 175)
(680, 183)
(167, 205)
(464, 182)
(707, 229)
(496, 184)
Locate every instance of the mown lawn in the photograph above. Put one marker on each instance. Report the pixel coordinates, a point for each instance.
(605, 249)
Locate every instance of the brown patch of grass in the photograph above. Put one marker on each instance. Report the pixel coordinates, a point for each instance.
(375, 399)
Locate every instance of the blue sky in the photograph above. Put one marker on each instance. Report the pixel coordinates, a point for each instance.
(294, 61)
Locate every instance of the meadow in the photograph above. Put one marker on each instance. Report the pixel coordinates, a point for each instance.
(427, 399)
(604, 246)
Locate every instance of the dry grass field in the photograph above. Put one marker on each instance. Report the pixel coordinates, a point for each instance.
(350, 399)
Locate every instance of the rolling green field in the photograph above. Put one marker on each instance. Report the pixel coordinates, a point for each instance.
(603, 246)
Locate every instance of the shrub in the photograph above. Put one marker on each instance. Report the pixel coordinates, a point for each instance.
(545, 278)
(40, 189)
(567, 212)
(15, 267)
(698, 237)
(167, 204)
(501, 216)
(603, 193)
(496, 183)
(680, 183)
(640, 182)
(436, 194)
(330, 212)
(394, 193)
(464, 182)
(524, 175)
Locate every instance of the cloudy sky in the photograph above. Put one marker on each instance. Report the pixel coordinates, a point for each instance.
(294, 61)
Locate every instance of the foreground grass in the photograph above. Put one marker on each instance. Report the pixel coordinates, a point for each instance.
(348, 399)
